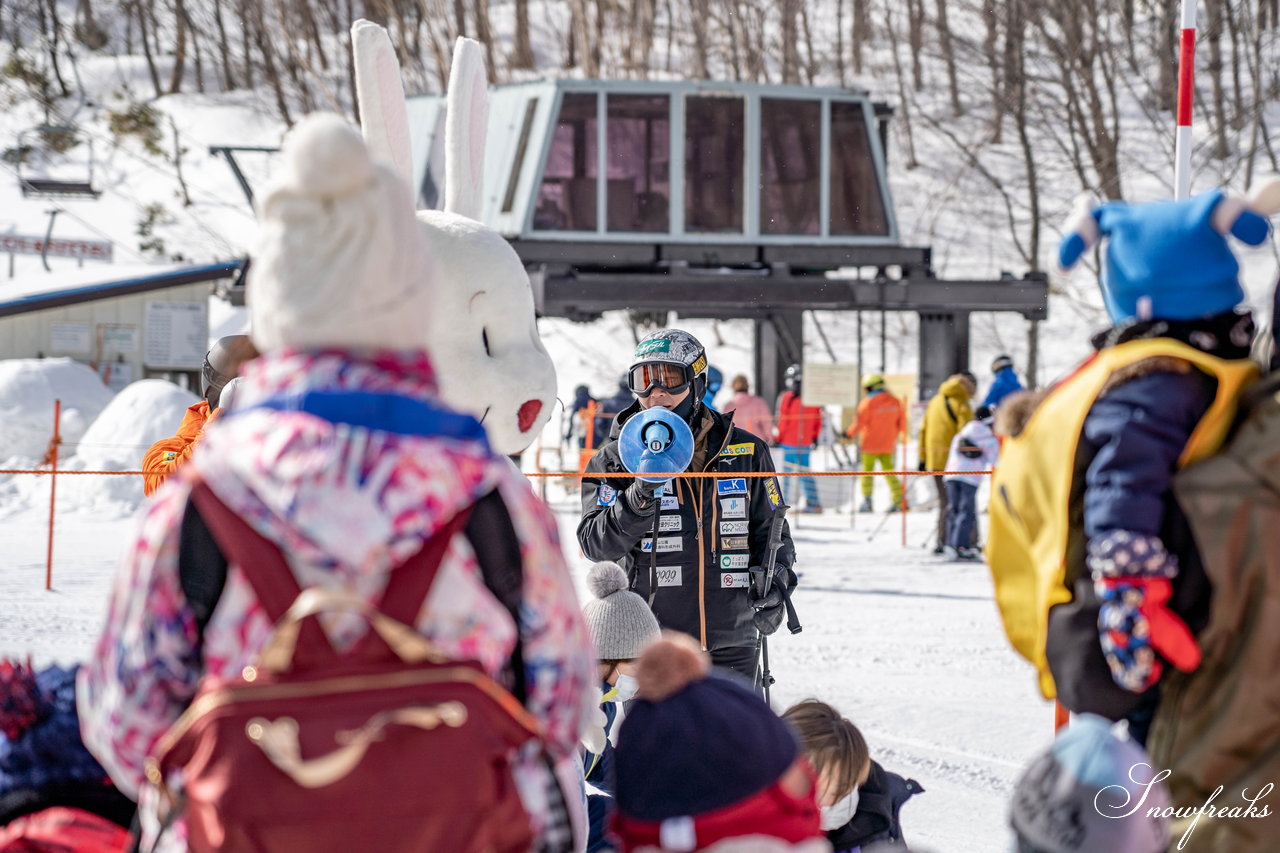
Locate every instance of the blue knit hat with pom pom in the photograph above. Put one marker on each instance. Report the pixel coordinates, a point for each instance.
(1170, 260)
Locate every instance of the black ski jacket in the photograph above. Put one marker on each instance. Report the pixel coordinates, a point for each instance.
(711, 530)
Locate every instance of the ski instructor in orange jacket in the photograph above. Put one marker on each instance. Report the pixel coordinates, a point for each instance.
(221, 366)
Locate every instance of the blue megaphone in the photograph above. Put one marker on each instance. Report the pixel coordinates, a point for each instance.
(655, 441)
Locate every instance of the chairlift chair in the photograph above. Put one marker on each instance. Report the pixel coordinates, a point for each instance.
(68, 180)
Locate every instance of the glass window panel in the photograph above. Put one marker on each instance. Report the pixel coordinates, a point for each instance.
(790, 163)
(567, 197)
(638, 161)
(714, 133)
(857, 206)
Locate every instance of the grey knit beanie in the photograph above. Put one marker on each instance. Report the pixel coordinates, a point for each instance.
(620, 622)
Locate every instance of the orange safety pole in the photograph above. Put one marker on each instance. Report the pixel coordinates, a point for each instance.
(1061, 717)
(906, 481)
(53, 488)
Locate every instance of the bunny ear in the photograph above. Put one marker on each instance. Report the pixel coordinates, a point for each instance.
(1080, 232)
(1263, 197)
(380, 91)
(467, 110)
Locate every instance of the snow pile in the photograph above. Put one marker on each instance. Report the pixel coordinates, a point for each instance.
(139, 416)
(28, 388)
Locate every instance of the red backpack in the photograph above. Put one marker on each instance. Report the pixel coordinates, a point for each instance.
(390, 747)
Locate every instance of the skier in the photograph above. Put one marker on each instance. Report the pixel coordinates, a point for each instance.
(340, 456)
(577, 418)
(879, 426)
(715, 379)
(1005, 382)
(751, 412)
(711, 530)
(974, 448)
(609, 409)
(221, 367)
(797, 430)
(946, 413)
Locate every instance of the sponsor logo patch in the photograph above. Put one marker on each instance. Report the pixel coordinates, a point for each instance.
(733, 507)
(733, 528)
(169, 455)
(668, 523)
(606, 495)
(734, 543)
(670, 575)
(666, 544)
(734, 561)
(732, 486)
(670, 502)
(655, 345)
(734, 580)
(746, 449)
(771, 490)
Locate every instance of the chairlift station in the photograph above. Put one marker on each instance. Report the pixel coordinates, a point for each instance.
(721, 200)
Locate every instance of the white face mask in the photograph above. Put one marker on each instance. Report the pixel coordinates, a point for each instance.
(840, 812)
(626, 686)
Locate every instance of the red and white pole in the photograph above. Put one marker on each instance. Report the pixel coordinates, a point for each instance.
(1186, 90)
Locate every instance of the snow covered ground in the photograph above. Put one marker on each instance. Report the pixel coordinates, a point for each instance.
(908, 647)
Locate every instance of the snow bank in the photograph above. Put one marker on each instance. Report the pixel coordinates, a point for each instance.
(140, 415)
(28, 388)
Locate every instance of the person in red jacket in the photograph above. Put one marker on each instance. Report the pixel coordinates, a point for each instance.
(796, 432)
(221, 365)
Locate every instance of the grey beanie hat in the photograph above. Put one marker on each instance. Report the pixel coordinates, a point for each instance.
(620, 622)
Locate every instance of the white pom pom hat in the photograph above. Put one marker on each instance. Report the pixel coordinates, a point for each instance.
(620, 622)
(338, 262)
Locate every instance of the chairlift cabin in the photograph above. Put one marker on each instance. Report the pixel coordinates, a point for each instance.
(712, 200)
(55, 161)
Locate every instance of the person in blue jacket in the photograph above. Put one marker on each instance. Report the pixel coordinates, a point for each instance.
(1005, 383)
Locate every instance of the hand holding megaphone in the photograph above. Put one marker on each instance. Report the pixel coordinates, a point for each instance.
(653, 445)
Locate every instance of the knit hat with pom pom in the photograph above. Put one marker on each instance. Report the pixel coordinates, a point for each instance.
(339, 262)
(620, 622)
(694, 741)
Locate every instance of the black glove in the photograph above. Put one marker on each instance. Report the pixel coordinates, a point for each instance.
(923, 465)
(769, 609)
(640, 495)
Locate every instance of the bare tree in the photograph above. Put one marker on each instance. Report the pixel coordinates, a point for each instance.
(904, 99)
(1213, 35)
(522, 50)
(948, 57)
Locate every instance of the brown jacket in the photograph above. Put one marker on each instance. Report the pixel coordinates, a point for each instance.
(168, 454)
(1220, 725)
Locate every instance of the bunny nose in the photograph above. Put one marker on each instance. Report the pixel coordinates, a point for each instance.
(527, 414)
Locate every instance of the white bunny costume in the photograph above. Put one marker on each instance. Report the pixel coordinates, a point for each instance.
(480, 327)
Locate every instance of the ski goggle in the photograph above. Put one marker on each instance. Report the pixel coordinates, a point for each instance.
(672, 378)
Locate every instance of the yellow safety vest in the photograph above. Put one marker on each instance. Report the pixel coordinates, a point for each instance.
(1030, 511)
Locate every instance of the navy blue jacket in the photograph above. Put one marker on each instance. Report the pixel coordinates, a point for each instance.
(880, 800)
(600, 774)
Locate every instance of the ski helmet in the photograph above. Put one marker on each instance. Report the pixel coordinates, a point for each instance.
(872, 381)
(794, 376)
(222, 364)
(1001, 362)
(671, 358)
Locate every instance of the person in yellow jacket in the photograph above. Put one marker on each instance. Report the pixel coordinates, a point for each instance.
(948, 411)
(221, 365)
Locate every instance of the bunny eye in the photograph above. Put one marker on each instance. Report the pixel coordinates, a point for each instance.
(484, 336)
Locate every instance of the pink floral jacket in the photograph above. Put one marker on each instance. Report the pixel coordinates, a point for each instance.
(346, 503)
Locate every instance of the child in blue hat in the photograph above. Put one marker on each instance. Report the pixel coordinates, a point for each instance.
(1158, 393)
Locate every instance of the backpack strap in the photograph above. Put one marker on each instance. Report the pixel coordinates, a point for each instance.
(202, 568)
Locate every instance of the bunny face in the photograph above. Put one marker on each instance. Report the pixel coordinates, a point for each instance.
(482, 334)
(480, 328)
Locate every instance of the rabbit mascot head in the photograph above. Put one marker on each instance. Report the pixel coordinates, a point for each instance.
(480, 329)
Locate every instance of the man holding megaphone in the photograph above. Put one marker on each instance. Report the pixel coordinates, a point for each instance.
(688, 544)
